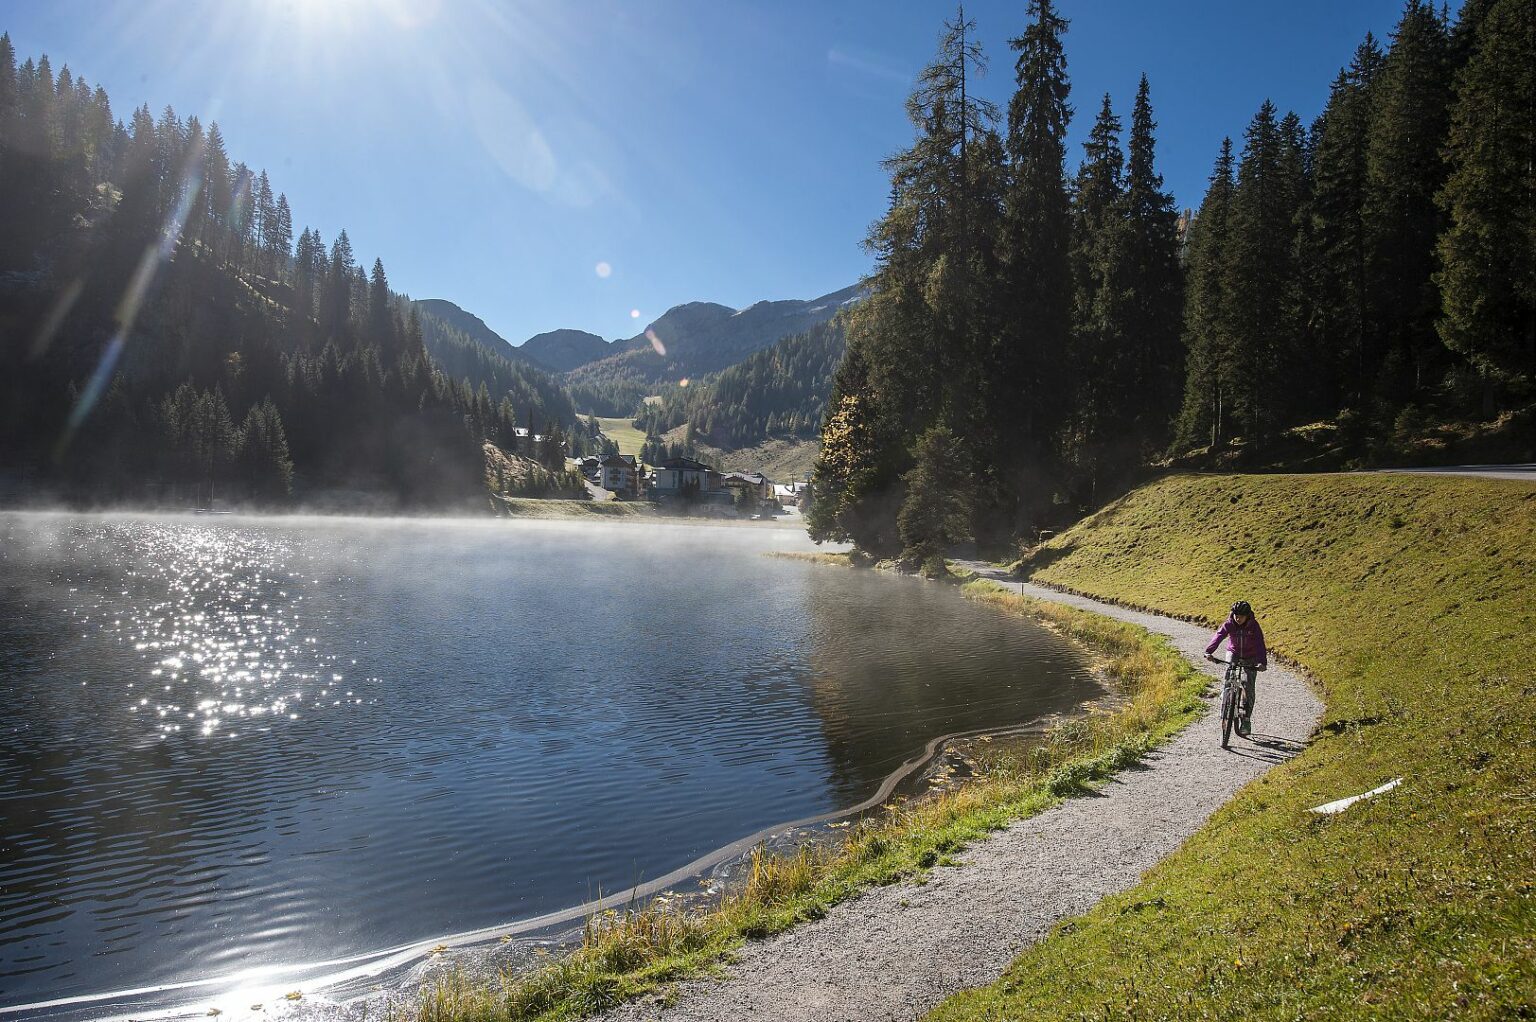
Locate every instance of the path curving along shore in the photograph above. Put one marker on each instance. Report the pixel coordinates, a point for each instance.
(895, 952)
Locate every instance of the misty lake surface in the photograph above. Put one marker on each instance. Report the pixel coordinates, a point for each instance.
(238, 742)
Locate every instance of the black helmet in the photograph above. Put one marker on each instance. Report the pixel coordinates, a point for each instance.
(1241, 607)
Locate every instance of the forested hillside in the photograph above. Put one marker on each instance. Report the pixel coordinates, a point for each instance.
(780, 391)
(484, 360)
(165, 341)
(1033, 339)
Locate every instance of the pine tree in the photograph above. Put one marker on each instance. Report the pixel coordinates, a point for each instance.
(217, 193)
(264, 207)
(1488, 250)
(265, 464)
(8, 95)
(380, 311)
(918, 335)
(281, 237)
(338, 289)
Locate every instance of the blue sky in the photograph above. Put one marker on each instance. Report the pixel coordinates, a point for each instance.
(504, 154)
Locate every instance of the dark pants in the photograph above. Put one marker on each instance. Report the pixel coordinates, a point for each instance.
(1250, 688)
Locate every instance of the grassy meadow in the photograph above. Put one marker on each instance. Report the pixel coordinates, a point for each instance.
(623, 433)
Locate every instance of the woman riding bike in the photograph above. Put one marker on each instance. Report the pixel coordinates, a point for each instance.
(1245, 647)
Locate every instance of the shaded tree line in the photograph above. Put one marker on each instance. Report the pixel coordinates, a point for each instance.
(163, 332)
(1021, 335)
(1377, 267)
(1033, 338)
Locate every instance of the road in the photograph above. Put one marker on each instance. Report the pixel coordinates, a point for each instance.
(1525, 473)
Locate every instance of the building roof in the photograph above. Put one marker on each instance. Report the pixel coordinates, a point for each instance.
(618, 461)
(686, 465)
(751, 478)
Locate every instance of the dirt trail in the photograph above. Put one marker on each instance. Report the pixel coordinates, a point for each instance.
(896, 952)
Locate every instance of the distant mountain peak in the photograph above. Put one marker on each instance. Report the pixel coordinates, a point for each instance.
(564, 350)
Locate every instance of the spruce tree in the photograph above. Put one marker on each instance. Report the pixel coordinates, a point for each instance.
(1100, 330)
(916, 342)
(1404, 170)
(1037, 287)
(380, 312)
(1260, 281)
(1488, 250)
(1337, 251)
(936, 512)
(1155, 283)
(1209, 379)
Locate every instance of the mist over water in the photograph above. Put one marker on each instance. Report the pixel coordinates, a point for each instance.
(230, 743)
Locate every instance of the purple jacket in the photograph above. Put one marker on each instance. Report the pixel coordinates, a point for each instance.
(1244, 642)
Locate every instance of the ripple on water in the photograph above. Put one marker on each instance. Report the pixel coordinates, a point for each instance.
(241, 742)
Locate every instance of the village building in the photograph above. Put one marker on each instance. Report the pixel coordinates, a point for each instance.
(686, 479)
(758, 486)
(621, 474)
(529, 445)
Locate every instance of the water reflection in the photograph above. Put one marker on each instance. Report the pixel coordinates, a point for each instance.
(241, 742)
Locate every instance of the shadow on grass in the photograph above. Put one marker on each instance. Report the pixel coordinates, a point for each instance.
(1041, 559)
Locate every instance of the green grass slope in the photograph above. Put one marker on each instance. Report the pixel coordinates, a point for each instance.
(1414, 601)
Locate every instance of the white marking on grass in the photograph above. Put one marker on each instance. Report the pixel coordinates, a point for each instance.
(1344, 803)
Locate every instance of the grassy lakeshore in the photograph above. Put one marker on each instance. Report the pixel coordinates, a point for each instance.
(1414, 600)
(629, 954)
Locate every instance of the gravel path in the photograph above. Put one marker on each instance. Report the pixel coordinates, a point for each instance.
(896, 952)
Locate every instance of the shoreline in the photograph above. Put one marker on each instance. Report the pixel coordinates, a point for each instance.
(1080, 756)
(352, 975)
(897, 952)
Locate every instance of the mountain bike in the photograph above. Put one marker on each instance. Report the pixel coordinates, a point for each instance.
(1231, 696)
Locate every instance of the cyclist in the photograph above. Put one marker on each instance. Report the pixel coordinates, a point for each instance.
(1245, 646)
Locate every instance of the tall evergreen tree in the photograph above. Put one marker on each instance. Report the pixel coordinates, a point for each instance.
(1259, 299)
(1155, 283)
(380, 310)
(918, 333)
(936, 512)
(1037, 291)
(1338, 250)
(281, 237)
(1100, 343)
(1404, 170)
(1208, 367)
(1488, 250)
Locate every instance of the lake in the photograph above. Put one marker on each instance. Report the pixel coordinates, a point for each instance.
(242, 742)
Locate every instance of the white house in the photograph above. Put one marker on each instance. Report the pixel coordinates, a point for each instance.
(619, 473)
